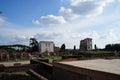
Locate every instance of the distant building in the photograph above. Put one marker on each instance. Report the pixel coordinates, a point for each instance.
(86, 44)
(46, 46)
(56, 50)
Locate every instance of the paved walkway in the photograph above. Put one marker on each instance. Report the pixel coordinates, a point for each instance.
(12, 63)
(112, 66)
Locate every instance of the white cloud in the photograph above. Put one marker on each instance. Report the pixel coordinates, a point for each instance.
(20, 39)
(14, 40)
(72, 32)
(1, 20)
(67, 13)
(50, 19)
(76, 2)
(90, 34)
(110, 36)
(85, 8)
(47, 36)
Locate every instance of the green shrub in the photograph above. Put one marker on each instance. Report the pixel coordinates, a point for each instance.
(34, 61)
(100, 54)
(71, 56)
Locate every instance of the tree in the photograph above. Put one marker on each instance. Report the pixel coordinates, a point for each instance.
(15, 47)
(108, 47)
(112, 47)
(62, 49)
(116, 47)
(95, 47)
(74, 47)
(33, 44)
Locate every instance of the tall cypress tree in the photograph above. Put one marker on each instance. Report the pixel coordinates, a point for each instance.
(62, 49)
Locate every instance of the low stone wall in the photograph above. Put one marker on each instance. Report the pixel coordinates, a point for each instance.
(17, 68)
(44, 69)
(10, 76)
(37, 75)
(7, 73)
(2, 67)
(67, 72)
(59, 71)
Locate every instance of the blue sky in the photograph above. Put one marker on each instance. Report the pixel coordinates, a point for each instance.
(61, 21)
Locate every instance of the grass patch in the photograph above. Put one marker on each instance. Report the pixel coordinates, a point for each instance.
(21, 73)
(71, 56)
(55, 58)
(46, 59)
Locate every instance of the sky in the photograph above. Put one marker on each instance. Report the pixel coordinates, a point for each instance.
(61, 21)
